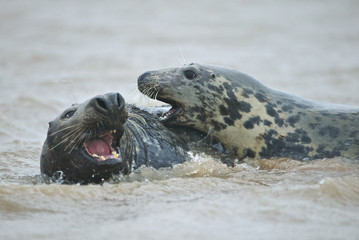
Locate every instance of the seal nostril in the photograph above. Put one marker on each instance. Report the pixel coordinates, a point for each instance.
(118, 98)
(101, 104)
(120, 101)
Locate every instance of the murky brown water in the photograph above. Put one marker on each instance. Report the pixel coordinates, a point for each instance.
(53, 54)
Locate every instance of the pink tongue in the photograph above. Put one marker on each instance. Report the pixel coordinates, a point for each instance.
(98, 147)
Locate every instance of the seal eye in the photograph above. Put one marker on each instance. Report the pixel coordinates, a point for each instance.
(69, 114)
(189, 74)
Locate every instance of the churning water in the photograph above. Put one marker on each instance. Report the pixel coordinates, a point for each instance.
(55, 53)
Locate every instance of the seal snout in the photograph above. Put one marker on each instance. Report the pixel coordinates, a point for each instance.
(109, 109)
(108, 103)
(143, 80)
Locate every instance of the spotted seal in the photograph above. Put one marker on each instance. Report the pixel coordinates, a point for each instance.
(250, 119)
(90, 142)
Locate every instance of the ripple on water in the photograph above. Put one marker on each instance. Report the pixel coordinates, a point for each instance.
(341, 189)
(190, 194)
(23, 161)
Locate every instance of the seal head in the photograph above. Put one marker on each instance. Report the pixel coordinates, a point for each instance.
(189, 90)
(83, 143)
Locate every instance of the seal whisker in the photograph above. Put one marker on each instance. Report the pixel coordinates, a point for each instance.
(147, 89)
(70, 133)
(77, 134)
(150, 90)
(183, 58)
(66, 128)
(71, 137)
(156, 94)
(74, 142)
(61, 142)
(66, 137)
(82, 137)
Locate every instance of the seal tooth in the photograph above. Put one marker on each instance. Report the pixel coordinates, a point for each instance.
(102, 158)
(165, 116)
(95, 155)
(115, 155)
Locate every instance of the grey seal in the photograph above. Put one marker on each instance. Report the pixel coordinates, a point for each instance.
(103, 136)
(249, 118)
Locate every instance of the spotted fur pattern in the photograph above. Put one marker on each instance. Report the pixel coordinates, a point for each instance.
(250, 119)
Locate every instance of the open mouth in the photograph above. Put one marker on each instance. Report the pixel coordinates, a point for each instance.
(175, 110)
(101, 147)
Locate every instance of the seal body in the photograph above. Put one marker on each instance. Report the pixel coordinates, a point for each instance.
(103, 136)
(250, 119)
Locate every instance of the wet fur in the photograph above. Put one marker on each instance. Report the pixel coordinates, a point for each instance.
(143, 141)
(252, 120)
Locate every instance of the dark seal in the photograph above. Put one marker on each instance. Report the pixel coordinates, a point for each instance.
(103, 136)
(250, 119)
